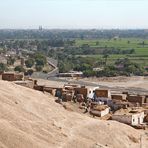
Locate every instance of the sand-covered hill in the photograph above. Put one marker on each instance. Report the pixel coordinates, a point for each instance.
(31, 119)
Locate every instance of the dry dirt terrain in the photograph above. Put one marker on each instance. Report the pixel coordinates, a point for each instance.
(128, 82)
(32, 119)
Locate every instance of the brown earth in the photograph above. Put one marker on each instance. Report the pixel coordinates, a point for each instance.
(31, 119)
(135, 81)
(138, 82)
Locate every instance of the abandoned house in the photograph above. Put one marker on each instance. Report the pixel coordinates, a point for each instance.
(121, 97)
(103, 93)
(81, 90)
(136, 99)
(10, 76)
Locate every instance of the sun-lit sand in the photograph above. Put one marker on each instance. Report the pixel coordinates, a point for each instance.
(32, 119)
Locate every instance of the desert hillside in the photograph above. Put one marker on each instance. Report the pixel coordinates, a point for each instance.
(31, 119)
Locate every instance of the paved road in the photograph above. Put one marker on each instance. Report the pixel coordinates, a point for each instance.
(53, 63)
(51, 77)
(42, 75)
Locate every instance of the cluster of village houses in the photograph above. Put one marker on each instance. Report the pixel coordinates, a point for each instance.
(123, 107)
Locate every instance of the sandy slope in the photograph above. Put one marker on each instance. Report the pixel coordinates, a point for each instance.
(31, 119)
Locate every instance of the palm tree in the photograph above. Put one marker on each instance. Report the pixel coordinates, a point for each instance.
(143, 43)
(106, 58)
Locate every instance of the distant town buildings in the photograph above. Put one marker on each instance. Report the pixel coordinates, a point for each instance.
(40, 28)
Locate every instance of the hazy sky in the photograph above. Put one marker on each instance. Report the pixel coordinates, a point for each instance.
(74, 13)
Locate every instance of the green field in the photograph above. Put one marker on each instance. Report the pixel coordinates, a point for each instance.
(140, 55)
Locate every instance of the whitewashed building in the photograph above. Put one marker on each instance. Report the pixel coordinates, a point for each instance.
(133, 117)
(100, 110)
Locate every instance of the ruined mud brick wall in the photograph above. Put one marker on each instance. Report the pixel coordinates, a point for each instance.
(82, 91)
(119, 97)
(12, 76)
(39, 87)
(103, 93)
(8, 77)
(136, 99)
(18, 77)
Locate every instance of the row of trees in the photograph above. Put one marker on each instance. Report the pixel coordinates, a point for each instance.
(71, 34)
(19, 68)
(33, 63)
(86, 65)
(40, 45)
(118, 51)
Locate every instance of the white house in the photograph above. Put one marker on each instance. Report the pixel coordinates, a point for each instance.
(91, 92)
(133, 117)
(100, 110)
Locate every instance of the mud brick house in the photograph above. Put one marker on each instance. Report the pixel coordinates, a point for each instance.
(146, 99)
(136, 99)
(121, 97)
(81, 90)
(10, 76)
(103, 93)
(130, 117)
(100, 110)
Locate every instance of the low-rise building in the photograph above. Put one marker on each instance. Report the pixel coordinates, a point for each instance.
(11, 76)
(146, 99)
(130, 117)
(118, 104)
(81, 90)
(105, 93)
(121, 97)
(146, 118)
(100, 110)
(136, 99)
(71, 74)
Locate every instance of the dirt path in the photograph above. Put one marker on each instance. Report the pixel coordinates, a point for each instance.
(131, 84)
